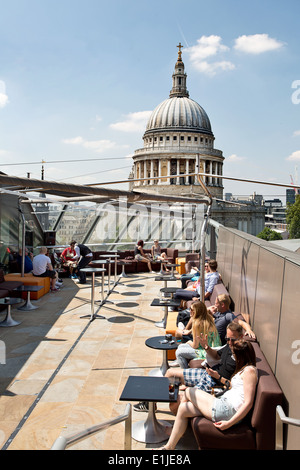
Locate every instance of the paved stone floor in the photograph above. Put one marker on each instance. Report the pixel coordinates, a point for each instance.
(63, 373)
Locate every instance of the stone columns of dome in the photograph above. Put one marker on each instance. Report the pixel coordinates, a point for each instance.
(143, 175)
(159, 171)
(220, 173)
(152, 171)
(178, 171)
(186, 171)
(141, 172)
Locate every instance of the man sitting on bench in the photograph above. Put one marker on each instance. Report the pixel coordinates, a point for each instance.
(42, 267)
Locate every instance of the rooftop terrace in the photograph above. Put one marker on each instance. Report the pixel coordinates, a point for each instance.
(64, 374)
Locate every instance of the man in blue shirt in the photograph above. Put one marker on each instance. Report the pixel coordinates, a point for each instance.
(28, 266)
(211, 279)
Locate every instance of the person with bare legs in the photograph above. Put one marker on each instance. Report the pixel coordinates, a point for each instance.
(218, 366)
(159, 255)
(224, 411)
(140, 255)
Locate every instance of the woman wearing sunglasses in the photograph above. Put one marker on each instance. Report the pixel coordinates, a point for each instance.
(226, 410)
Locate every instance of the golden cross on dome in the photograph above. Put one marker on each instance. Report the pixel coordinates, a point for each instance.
(179, 52)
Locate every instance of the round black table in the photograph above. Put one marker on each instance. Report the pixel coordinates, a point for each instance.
(109, 257)
(166, 303)
(161, 261)
(152, 390)
(174, 265)
(116, 264)
(99, 261)
(166, 279)
(27, 306)
(160, 342)
(93, 271)
(123, 262)
(169, 290)
(9, 301)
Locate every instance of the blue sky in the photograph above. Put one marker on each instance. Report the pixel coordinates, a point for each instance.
(78, 81)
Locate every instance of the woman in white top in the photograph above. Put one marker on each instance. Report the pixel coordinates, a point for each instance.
(226, 410)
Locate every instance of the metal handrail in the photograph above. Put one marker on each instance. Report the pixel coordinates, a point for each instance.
(283, 419)
(62, 442)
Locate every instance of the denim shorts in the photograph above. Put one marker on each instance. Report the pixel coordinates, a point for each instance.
(222, 410)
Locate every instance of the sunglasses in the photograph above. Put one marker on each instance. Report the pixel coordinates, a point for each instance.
(233, 340)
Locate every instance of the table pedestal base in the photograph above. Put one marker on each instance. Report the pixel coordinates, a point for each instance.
(27, 306)
(161, 371)
(151, 431)
(96, 317)
(158, 372)
(163, 322)
(123, 274)
(93, 316)
(9, 321)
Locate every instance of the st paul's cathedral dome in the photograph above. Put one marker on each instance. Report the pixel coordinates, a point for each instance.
(178, 140)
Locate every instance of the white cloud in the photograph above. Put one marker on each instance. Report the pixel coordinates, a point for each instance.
(295, 156)
(234, 158)
(214, 67)
(3, 96)
(3, 100)
(296, 133)
(208, 55)
(133, 122)
(75, 141)
(96, 145)
(208, 47)
(257, 44)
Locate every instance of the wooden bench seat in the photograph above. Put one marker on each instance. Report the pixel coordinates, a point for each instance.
(31, 280)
